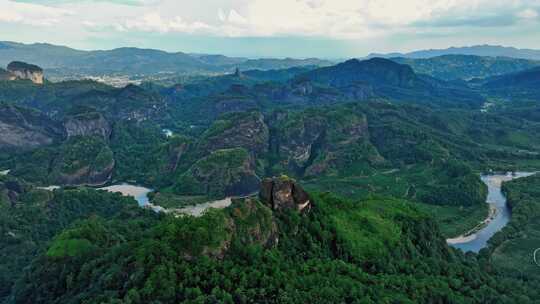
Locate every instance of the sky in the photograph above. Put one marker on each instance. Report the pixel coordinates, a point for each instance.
(273, 28)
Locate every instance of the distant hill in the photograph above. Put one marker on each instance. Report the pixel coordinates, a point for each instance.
(61, 60)
(525, 84)
(451, 67)
(477, 50)
(390, 80)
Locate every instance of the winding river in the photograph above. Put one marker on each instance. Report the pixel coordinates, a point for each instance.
(499, 214)
(141, 195)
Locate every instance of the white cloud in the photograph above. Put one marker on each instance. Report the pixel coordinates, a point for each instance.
(30, 14)
(528, 14)
(154, 22)
(337, 19)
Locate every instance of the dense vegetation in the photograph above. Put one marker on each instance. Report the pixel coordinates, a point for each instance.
(375, 251)
(394, 155)
(466, 67)
(513, 247)
(30, 218)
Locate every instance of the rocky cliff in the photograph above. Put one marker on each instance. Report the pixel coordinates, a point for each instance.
(87, 124)
(318, 142)
(22, 70)
(26, 129)
(282, 193)
(83, 160)
(244, 130)
(226, 172)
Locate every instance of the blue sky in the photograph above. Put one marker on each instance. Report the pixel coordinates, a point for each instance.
(273, 28)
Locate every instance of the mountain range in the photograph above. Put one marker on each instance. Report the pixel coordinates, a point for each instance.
(62, 63)
(477, 50)
(336, 184)
(61, 60)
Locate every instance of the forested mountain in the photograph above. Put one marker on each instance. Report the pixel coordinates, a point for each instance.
(477, 50)
(524, 84)
(344, 182)
(466, 67)
(64, 61)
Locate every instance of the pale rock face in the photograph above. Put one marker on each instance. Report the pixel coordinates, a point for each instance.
(35, 77)
(88, 124)
(21, 128)
(25, 71)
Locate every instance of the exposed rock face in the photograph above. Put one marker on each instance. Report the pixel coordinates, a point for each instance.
(317, 142)
(83, 160)
(282, 193)
(245, 130)
(299, 139)
(26, 129)
(88, 124)
(226, 172)
(87, 175)
(22, 70)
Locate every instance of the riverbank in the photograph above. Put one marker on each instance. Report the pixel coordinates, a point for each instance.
(471, 234)
(499, 214)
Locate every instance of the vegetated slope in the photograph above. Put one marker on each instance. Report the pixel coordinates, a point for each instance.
(351, 81)
(378, 250)
(476, 50)
(393, 81)
(513, 248)
(520, 85)
(466, 67)
(30, 218)
(64, 61)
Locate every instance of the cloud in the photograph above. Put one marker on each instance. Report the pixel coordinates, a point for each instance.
(30, 14)
(359, 22)
(60, 2)
(528, 13)
(339, 19)
(154, 22)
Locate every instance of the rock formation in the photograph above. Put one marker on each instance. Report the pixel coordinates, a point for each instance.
(283, 193)
(22, 70)
(244, 130)
(225, 172)
(26, 129)
(87, 175)
(87, 124)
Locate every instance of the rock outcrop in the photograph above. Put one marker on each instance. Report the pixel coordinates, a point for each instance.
(226, 172)
(244, 130)
(88, 124)
(25, 71)
(320, 142)
(24, 128)
(83, 160)
(88, 175)
(283, 193)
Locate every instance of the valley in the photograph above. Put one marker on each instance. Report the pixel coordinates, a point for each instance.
(270, 181)
(498, 218)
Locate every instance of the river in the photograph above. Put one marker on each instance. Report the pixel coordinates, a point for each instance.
(141, 195)
(499, 215)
